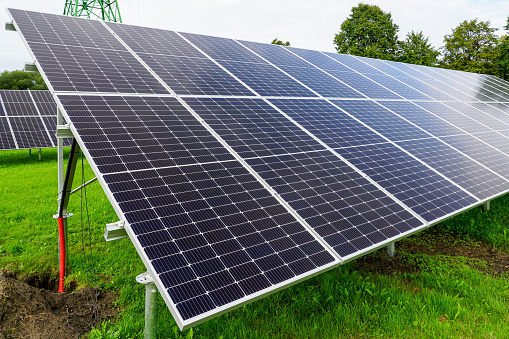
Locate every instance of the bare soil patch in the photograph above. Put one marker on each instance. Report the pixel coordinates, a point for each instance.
(33, 309)
(434, 242)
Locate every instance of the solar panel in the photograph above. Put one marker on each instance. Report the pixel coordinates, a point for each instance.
(236, 177)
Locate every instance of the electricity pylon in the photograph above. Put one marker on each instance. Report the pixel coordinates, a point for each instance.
(104, 10)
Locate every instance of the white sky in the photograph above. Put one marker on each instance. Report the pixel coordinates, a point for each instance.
(308, 24)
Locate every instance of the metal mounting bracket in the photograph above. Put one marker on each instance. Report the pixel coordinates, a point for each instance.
(31, 67)
(64, 131)
(115, 231)
(9, 26)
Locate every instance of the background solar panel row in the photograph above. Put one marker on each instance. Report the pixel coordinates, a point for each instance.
(29, 118)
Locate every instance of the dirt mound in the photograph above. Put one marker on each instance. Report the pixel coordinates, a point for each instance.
(31, 312)
(435, 243)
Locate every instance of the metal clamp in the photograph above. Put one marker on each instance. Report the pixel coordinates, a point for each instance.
(115, 231)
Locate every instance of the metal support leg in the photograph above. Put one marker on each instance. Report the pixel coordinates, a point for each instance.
(487, 205)
(150, 305)
(391, 250)
(40, 152)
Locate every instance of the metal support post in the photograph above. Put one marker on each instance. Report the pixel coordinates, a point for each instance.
(486, 206)
(60, 165)
(391, 249)
(40, 152)
(150, 305)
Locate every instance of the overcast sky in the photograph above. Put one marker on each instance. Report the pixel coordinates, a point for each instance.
(307, 24)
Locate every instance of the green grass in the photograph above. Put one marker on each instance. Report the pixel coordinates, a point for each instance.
(447, 298)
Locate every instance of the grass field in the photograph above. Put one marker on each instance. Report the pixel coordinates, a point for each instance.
(428, 290)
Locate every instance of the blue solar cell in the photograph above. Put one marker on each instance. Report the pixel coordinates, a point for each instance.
(320, 60)
(345, 209)
(266, 80)
(275, 54)
(422, 118)
(457, 167)
(6, 139)
(426, 192)
(30, 132)
(482, 152)
(252, 127)
(198, 76)
(327, 122)
(211, 232)
(495, 140)
(476, 113)
(364, 85)
(354, 63)
(322, 83)
(383, 121)
(398, 86)
(454, 117)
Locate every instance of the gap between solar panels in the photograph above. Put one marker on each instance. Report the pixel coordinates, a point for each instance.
(238, 169)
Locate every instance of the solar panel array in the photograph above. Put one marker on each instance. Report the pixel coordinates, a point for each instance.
(241, 168)
(28, 120)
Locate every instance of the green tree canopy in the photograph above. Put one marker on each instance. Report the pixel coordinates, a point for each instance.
(369, 32)
(21, 80)
(276, 41)
(503, 51)
(472, 47)
(416, 49)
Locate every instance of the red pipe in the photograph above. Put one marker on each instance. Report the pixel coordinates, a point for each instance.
(62, 254)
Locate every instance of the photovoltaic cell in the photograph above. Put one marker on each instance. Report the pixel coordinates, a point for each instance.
(320, 60)
(345, 209)
(385, 122)
(482, 152)
(422, 118)
(399, 87)
(82, 55)
(457, 167)
(327, 122)
(473, 113)
(322, 83)
(275, 54)
(252, 127)
(364, 85)
(495, 110)
(18, 103)
(210, 230)
(6, 139)
(430, 91)
(495, 140)
(30, 132)
(423, 190)
(354, 63)
(454, 117)
(266, 80)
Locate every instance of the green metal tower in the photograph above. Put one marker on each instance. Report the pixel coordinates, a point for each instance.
(104, 10)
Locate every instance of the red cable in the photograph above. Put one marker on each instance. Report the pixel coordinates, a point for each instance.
(62, 254)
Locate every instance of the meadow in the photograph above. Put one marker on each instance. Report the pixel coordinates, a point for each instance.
(450, 281)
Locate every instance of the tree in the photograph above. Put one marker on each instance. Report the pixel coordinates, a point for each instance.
(369, 32)
(415, 49)
(472, 47)
(503, 51)
(279, 42)
(21, 80)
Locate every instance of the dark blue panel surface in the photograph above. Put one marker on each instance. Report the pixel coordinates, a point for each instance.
(398, 86)
(154, 41)
(322, 83)
(454, 117)
(211, 232)
(364, 85)
(345, 209)
(222, 48)
(135, 133)
(45, 103)
(30, 132)
(426, 192)
(6, 140)
(252, 127)
(19, 103)
(275, 54)
(457, 167)
(320, 60)
(381, 120)
(266, 80)
(197, 76)
(82, 55)
(422, 118)
(327, 122)
(483, 153)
